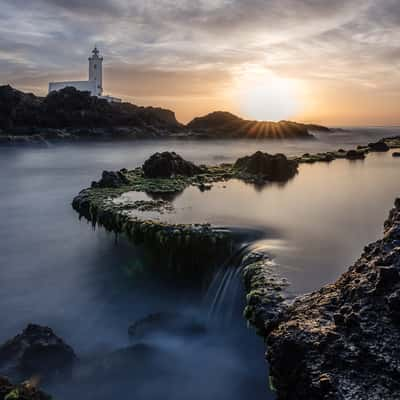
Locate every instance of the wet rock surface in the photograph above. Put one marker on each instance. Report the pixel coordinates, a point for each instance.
(270, 167)
(343, 341)
(167, 165)
(24, 391)
(36, 350)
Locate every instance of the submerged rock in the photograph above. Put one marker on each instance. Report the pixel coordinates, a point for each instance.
(271, 167)
(342, 341)
(166, 323)
(167, 165)
(36, 350)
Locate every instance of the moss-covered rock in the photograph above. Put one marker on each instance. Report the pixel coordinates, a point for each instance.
(23, 391)
(167, 165)
(275, 167)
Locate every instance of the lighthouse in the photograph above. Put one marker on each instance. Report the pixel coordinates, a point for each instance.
(96, 71)
(95, 83)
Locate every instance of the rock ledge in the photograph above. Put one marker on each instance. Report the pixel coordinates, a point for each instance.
(343, 341)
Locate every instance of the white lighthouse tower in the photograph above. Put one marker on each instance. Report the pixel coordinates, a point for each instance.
(95, 83)
(96, 71)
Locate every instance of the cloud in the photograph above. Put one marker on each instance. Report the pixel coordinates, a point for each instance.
(167, 45)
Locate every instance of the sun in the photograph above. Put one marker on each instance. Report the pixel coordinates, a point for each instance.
(266, 97)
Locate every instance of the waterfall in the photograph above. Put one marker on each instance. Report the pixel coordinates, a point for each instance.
(224, 295)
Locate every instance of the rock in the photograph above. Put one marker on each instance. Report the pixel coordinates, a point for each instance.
(167, 165)
(37, 350)
(355, 155)
(271, 167)
(166, 323)
(71, 108)
(341, 342)
(24, 391)
(393, 301)
(396, 154)
(379, 146)
(111, 179)
(220, 124)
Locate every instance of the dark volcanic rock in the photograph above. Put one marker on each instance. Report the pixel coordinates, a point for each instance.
(168, 164)
(26, 391)
(343, 341)
(221, 124)
(378, 146)
(112, 179)
(271, 167)
(166, 323)
(37, 350)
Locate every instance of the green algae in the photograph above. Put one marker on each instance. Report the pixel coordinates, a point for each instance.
(265, 295)
(183, 244)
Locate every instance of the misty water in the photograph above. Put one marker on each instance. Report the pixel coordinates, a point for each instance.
(57, 271)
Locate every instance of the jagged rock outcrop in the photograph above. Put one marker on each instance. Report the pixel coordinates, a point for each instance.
(221, 124)
(70, 108)
(36, 350)
(270, 167)
(342, 342)
(167, 165)
(25, 391)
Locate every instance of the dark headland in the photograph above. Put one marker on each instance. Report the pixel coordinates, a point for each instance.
(70, 114)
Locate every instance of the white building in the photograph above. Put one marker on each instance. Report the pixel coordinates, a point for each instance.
(95, 83)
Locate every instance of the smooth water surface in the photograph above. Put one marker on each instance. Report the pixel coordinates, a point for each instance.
(57, 271)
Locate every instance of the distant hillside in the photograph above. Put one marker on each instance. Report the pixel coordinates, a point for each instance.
(224, 124)
(70, 108)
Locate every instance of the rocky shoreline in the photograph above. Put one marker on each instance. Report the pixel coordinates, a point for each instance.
(342, 341)
(337, 343)
(166, 175)
(71, 115)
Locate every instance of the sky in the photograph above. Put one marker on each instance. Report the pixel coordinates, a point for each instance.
(335, 62)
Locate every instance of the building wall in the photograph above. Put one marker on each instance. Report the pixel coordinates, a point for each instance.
(111, 99)
(84, 86)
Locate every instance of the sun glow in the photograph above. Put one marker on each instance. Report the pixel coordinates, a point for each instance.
(263, 96)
